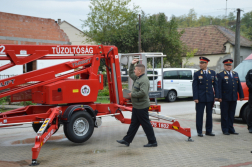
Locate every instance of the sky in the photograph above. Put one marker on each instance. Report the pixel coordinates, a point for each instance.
(73, 11)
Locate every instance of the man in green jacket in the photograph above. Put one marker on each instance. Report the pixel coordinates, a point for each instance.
(140, 101)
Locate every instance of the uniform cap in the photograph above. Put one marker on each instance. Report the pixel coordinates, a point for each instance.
(204, 59)
(228, 62)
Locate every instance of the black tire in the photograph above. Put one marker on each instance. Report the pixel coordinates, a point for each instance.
(171, 96)
(80, 127)
(36, 127)
(244, 114)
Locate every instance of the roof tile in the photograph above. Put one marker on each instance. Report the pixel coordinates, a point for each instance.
(210, 39)
(14, 25)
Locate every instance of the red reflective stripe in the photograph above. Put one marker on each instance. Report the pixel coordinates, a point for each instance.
(203, 60)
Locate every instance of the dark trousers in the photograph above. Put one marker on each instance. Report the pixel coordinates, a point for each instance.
(140, 117)
(249, 118)
(227, 116)
(199, 116)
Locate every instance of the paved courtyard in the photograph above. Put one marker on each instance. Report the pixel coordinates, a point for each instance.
(103, 150)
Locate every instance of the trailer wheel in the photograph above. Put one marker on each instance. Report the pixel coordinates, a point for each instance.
(80, 127)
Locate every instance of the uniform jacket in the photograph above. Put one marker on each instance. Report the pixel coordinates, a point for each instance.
(229, 86)
(140, 90)
(203, 86)
(249, 80)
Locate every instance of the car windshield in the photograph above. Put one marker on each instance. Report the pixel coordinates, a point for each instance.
(243, 68)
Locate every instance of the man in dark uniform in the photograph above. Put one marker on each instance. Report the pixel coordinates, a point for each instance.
(140, 101)
(229, 84)
(203, 82)
(249, 84)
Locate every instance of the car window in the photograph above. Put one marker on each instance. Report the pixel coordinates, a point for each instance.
(151, 77)
(171, 75)
(185, 74)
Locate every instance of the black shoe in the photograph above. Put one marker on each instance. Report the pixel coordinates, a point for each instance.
(151, 145)
(210, 134)
(200, 134)
(123, 142)
(226, 133)
(250, 130)
(234, 133)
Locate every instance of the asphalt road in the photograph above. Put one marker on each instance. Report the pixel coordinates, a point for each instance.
(103, 150)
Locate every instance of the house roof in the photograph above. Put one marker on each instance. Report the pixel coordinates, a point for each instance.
(28, 27)
(210, 39)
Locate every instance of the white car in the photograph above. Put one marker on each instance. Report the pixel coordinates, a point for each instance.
(240, 112)
(177, 82)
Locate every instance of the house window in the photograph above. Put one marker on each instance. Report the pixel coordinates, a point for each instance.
(241, 58)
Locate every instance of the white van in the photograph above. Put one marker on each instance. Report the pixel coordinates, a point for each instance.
(177, 82)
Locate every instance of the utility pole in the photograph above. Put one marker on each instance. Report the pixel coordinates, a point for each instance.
(139, 35)
(237, 39)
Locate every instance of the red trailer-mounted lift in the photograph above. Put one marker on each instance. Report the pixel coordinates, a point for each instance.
(63, 100)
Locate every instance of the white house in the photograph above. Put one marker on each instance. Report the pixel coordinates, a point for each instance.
(74, 34)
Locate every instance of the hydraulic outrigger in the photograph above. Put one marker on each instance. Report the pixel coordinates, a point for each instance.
(64, 100)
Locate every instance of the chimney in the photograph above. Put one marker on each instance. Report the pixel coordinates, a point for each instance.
(59, 21)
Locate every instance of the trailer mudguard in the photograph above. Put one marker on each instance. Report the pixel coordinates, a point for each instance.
(69, 111)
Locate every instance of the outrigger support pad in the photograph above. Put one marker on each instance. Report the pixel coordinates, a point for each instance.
(190, 139)
(34, 163)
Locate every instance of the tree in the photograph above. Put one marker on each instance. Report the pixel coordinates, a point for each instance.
(188, 56)
(202, 21)
(191, 18)
(231, 16)
(161, 35)
(113, 22)
(246, 25)
(231, 21)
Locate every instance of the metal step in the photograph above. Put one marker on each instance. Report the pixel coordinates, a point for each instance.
(159, 116)
(107, 115)
(17, 124)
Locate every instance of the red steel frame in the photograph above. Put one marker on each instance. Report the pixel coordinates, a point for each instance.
(88, 59)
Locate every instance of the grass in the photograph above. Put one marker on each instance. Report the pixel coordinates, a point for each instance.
(103, 95)
(103, 100)
(4, 110)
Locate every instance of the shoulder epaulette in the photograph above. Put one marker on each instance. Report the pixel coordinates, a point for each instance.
(220, 72)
